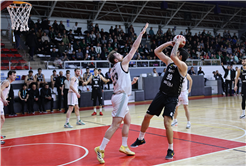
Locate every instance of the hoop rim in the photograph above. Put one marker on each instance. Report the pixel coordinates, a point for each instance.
(20, 2)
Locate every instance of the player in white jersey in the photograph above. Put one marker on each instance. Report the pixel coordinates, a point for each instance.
(122, 89)
(183, 99)
(72, 99)
(5, 87)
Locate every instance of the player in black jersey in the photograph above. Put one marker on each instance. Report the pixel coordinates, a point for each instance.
(169, 92)
(96, 90)
(30, 79)
(40, 79)
(53, 78)
(242, 74)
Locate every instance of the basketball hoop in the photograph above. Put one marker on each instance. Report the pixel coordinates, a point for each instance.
(19, 14)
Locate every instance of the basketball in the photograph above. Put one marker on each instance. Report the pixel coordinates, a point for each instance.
(182, 44)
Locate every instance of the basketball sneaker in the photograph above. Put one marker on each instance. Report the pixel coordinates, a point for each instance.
(80, 122)
(94, 113)
(137, 143)
(188, 126)
(67, 125)
(2, 142)
(242, 116)
(170, 154)
(101, 114)
(126, 150)
(174, 123)
(3, 136)
(100, 155)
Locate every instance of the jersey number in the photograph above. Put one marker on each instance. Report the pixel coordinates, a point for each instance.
(169, 77)
(115, 78)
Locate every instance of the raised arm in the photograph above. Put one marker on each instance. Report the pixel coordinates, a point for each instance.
(181, 65)
(161, 55)
(135, 46)
(236, 80)
(190, 82)
(89, 79)
(223, 66)
(104, 79)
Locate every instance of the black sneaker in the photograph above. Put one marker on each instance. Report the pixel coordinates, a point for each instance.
(137, 143)
(170, 154)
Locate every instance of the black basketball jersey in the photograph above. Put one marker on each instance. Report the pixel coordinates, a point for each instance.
(243, 76)
(171, 83)
(54, 77)
(96, 82)
(30, 78)
(39, 77)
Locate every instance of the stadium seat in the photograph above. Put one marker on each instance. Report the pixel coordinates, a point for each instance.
(3, 68)
(4, 50)
(27, 68)
(12, 67)
(14, 61)
(13, 50)
(18, 67)
(22, 61)
(3, 56)
(2, 45)
(17, 55)
(10, 55)
(5, 61)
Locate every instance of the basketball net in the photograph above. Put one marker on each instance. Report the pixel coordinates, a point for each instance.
(19, 14)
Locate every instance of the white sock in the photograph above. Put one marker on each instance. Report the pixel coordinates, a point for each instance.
(170, 146)
(141, 135)
(124, 141)
(95, 110)
(175, 120)
(78, 118)
(104, 143)
(100, 109)
(67, 120)
(188, 122)
(243, 112)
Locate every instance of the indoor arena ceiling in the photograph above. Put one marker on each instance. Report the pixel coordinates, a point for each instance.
(232, 15)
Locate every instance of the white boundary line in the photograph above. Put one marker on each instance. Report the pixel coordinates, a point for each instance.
(86, 150)
(195, 156)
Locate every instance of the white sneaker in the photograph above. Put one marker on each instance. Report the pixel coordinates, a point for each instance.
(174, 123)
(242, 116)
(188, 126)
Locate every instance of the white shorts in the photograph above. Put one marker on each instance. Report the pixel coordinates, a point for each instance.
(1, 108)
(72, 99)
(120, 102)
(183, 98)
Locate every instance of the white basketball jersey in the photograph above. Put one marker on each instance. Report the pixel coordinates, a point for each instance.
(75, 85)
(5, 91)
(121, 79)
(184, 84)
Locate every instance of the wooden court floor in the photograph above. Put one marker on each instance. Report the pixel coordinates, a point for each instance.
(215, 124)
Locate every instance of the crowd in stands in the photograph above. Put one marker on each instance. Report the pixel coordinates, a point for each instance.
(97, 43)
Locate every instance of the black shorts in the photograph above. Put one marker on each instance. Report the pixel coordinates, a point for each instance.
(160, 101)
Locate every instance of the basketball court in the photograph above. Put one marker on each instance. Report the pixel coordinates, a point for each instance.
(216, 137)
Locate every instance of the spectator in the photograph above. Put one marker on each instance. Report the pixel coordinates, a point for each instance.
(11, 101)
(70, 36)
(87, 74)
(45, 37)
(75, 27)
(164, 71)
(55, 26)
(108, 76)
(93, 53)
(23, 97)
(151, 32)
(66, 88)
(61, 27)
(200, 72)
(79, 55)
(229, 78)
(62, 50)
(30, 79)
(146, 51)
(60, 88)
(154, 73)
(76, 45)
(32, 43)
(46, 97)
(65, 39)
(191, 71)
(98, 49)
(33, 97)
(53, 54)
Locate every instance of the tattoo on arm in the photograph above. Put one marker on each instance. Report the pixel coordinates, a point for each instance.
(175, 49)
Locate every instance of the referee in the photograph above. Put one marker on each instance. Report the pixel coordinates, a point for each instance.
(96, 90)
